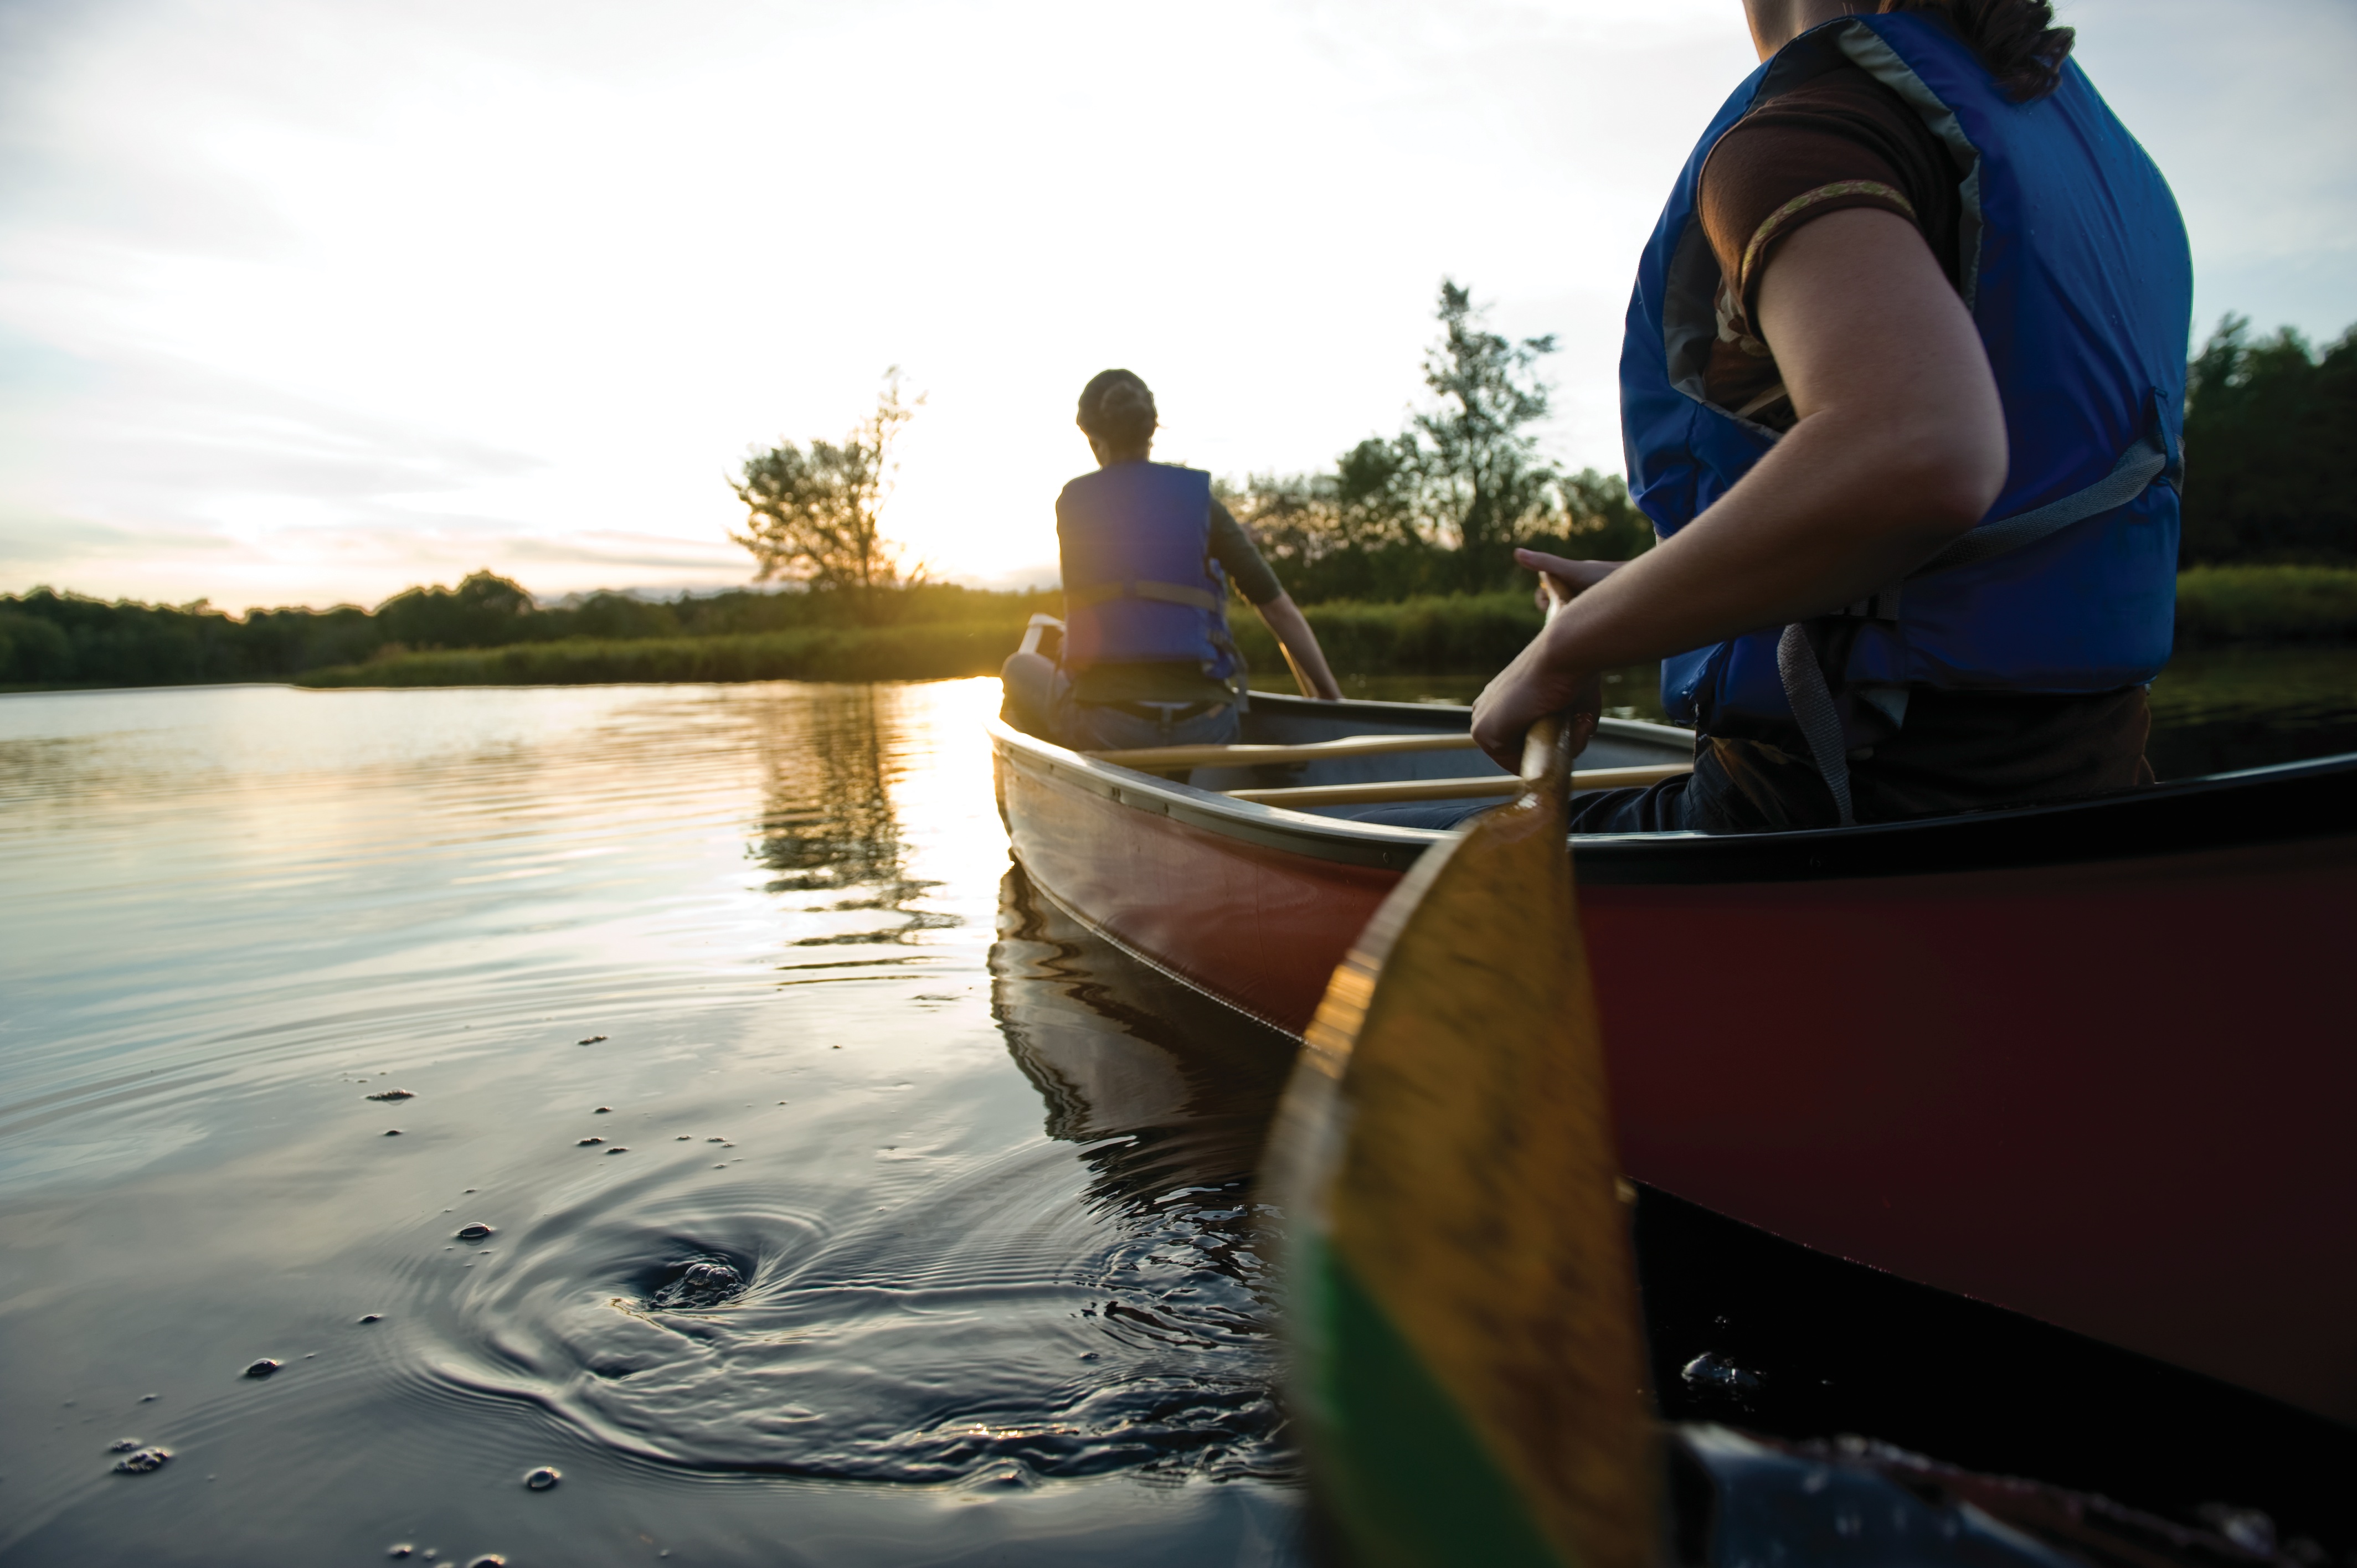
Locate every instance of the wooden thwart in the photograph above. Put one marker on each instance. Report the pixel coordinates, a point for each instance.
(1153, 758)
(1500, 785)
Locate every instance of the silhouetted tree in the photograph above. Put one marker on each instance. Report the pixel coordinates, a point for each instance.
(2266, 426)
(1484, 484)
(814, 516)
(1600, 521)
(482, 611)
(1440, 506)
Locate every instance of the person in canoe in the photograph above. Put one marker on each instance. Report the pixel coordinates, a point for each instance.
(1902, 392)
(1147, 555)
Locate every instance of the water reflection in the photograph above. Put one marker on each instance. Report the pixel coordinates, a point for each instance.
(1125, 1056)
(828, 823)
(691, 992)
(1169, 1096)
(2214, 710)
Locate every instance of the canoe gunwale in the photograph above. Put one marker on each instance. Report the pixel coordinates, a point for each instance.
(2285, 803)
(1269, 827)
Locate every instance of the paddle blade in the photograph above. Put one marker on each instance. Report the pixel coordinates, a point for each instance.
(1467, 1361)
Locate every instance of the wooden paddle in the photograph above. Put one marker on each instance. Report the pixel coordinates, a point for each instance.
(1467, 1361)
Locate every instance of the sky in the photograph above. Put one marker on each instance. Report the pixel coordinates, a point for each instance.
(306, 302)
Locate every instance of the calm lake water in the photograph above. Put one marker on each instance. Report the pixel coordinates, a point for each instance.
(975, 1186)
(844, 1207)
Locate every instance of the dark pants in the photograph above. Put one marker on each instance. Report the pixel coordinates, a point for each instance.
(1040, 702)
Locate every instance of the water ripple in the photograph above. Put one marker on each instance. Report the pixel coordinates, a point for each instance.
(984, 1323)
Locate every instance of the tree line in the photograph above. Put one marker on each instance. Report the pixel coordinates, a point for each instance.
(47, 638)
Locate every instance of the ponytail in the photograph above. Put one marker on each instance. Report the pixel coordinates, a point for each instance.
(2016, 39)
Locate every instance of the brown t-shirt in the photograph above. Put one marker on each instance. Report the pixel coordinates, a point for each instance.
(1844, 140)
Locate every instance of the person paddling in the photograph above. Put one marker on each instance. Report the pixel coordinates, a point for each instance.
(1147, 554)
(1902, 392)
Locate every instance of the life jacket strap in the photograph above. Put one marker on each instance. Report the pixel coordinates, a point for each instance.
(1805, 689)
(2138, 466)
(1812, 709)
(1168, 593)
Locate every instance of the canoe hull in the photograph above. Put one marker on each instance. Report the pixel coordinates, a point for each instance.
(2111, 1094)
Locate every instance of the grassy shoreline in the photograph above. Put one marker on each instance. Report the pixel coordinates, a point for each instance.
(1460, 634)
(2218, 605)
(823, 653)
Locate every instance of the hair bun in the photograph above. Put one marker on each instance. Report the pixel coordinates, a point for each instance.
(1117, 408)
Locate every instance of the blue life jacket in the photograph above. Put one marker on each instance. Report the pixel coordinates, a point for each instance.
(1140, 584)
(2074, 265)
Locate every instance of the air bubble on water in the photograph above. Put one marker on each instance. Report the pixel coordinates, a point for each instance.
(142, 1461)
(543, 1478)
(263, 1368)
(586, 1142)
(123, 1445)
(700, 1283)
(373, 1318)
(475, 1232)
(1715, 1371)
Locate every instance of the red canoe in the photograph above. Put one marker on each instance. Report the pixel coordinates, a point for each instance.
(2091, 1062)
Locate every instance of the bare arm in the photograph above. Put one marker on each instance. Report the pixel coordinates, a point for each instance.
(1900, 447)
(1301, 650)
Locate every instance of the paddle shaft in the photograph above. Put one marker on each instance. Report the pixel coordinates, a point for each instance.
(1546, 762)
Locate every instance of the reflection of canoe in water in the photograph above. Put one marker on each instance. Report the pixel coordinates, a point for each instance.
(1121, 1051)
(2088, 1061)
